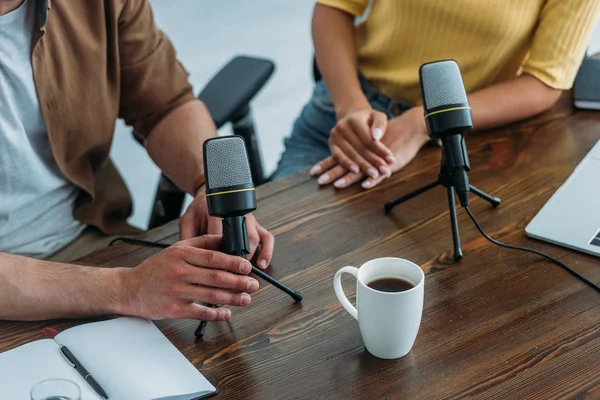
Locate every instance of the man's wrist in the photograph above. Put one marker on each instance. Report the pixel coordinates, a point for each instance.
(201, 192)
(199, 184)
(117, 286)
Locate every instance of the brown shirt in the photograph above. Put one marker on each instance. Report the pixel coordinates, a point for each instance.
(95, 61)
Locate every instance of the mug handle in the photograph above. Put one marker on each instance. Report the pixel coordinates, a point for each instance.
(339, 291)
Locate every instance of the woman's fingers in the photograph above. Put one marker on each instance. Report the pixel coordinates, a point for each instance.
(348, 180)
(368, 133)
(372, 165)
(323, 165)
(332, 175)
(345, 158)
(378, 125)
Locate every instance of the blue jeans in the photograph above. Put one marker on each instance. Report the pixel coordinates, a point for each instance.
(307, 145)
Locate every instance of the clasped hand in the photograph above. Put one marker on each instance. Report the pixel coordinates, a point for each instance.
(366, 147)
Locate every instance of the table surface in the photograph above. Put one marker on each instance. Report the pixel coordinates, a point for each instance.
(498, 324)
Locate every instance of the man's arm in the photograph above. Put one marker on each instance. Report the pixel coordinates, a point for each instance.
(35, 289)
(157, 100)
(175, 144)
(166, 285)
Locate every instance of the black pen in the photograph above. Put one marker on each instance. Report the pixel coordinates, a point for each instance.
(70, 357)
(75, 363)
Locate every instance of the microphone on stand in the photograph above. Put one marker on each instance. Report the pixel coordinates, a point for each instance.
(448, 117)
(230, 195)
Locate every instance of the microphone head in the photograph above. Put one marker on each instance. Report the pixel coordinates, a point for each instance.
(229, 188)
(447, 109)
(442, 85)
(226, 163)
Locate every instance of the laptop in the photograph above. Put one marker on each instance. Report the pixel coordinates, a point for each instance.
(571, 218)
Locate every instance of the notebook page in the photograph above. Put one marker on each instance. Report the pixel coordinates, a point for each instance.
(132, 359)
(23, 367)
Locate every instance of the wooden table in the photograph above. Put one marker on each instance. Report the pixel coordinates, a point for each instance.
(498, 324)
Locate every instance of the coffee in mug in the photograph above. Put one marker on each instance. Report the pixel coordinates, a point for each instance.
(390, 285)
(389, 304)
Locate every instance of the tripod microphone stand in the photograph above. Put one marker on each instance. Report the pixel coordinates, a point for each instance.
(235, 243)
(449, 167)
(448, 117)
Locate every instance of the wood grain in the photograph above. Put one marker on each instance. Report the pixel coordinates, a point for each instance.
(498, 324)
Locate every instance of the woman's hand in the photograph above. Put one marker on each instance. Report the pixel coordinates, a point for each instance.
(355, 146)
(405, 135)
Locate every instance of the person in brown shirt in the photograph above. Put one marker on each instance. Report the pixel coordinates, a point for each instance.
(74, 68)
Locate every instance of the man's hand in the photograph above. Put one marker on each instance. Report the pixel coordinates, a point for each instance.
(196, 221)
(404, 136)
(168, 284)
(355, 146)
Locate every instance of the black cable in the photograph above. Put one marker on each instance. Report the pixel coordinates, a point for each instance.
(139, 242)
(539, 253)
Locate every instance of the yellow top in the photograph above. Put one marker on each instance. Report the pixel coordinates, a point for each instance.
(492, 40)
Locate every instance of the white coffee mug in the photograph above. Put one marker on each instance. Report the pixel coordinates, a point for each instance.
(388, 322)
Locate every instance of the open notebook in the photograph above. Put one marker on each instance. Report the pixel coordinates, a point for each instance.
(129, 357)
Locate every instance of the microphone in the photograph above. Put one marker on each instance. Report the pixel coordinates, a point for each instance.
(448, 117)
(230, 195)
(230, 192)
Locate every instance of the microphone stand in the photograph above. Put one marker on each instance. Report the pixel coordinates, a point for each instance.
(453, 168)
(235, 243)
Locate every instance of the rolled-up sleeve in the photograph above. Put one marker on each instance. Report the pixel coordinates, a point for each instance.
(153, 81)
(563, 31)
(352, 7)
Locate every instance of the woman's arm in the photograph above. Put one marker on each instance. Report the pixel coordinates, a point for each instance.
(354, 141)
(511, 101)
(335, 50)
(522, 97)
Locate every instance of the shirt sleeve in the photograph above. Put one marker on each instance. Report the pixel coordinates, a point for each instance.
(560, 39)
(153, 82)
(353, 7)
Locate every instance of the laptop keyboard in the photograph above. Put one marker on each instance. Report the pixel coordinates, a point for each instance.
(596, 240)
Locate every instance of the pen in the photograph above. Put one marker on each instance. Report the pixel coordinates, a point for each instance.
(75, 363)
(82, 371)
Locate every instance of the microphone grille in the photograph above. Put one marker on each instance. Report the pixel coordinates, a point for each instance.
(442, 84)
(226, 162)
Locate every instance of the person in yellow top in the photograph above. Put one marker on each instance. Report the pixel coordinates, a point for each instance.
(364, 120)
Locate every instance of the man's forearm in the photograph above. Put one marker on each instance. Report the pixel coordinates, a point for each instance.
(335, 49)
(175, 144)
(511, 101)
(35, 289)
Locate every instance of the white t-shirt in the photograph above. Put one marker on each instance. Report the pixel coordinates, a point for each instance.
(36, 200)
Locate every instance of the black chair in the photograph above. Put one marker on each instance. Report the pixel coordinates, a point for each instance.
(227, 97)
